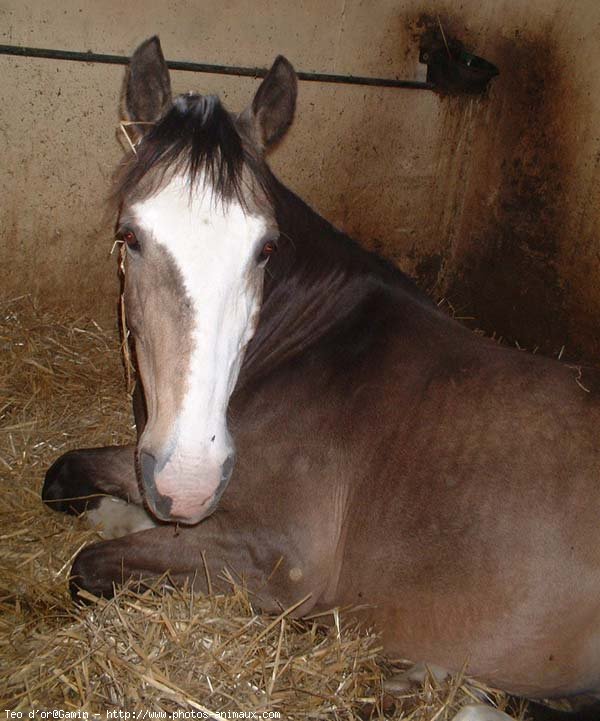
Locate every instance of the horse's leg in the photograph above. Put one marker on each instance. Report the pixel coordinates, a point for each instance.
(103, 482)
(272, 567)
(78, 480)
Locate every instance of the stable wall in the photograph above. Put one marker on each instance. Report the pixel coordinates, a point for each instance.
(490, 202)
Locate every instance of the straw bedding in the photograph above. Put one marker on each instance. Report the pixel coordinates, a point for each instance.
(62, 387)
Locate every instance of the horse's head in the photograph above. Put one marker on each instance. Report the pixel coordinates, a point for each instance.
(198, 222)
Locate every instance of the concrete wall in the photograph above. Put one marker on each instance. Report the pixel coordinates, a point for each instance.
(491, 202)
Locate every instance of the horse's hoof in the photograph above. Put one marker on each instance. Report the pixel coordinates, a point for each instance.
(86, 575)
(66, 486)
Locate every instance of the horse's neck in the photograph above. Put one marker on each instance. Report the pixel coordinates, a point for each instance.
(323, 243)
(316, 281)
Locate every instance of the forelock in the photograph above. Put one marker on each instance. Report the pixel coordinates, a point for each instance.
(199, 139)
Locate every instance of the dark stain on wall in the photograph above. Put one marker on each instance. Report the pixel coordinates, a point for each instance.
(508, 273)
(427, 271)
(504, 249)
(485, 212)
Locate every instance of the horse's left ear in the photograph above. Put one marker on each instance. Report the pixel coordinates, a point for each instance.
(148, 90)
(272, 109)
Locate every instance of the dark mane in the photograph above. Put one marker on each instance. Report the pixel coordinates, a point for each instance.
(321, 281)
(198, 137)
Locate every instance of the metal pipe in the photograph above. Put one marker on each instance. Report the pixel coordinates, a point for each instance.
(90, 57)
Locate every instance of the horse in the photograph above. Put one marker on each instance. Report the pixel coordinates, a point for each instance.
(309, 418)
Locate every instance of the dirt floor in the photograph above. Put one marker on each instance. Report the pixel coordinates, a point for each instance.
(62, 387)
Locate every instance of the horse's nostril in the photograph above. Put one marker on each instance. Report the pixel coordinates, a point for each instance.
(147, 467)
(159, 504)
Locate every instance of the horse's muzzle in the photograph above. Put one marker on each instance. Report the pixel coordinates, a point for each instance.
(182, 500)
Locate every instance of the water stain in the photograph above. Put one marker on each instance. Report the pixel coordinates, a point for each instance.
(508, 249)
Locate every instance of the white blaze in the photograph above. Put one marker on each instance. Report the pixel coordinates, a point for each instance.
(214, 246)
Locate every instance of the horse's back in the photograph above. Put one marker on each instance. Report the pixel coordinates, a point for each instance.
(474, 528)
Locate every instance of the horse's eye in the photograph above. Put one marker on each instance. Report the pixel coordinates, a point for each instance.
(128, 237)
(267, 250)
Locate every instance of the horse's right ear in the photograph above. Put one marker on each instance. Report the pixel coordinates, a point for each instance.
(274, 104)
(148, 90)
